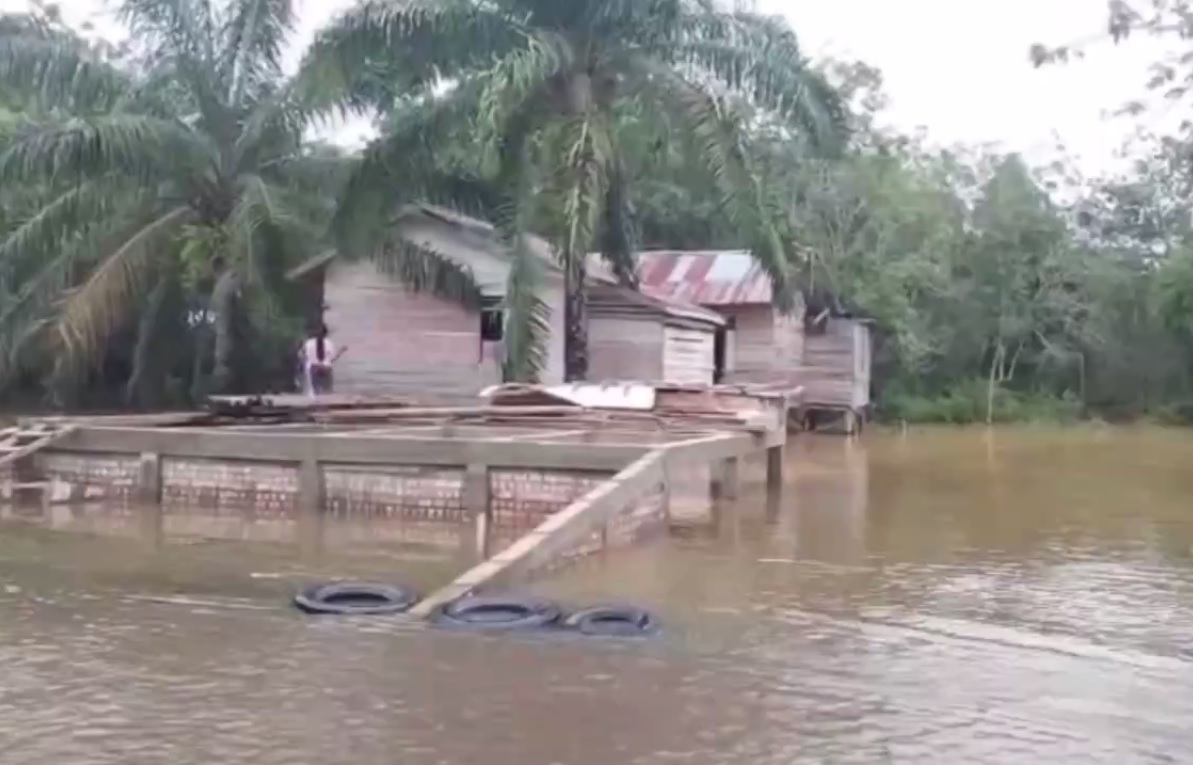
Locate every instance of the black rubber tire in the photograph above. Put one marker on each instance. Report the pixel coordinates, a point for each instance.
(355, 598)
(498, 613)
(613, 621)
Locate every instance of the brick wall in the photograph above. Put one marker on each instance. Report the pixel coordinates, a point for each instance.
(224, 487)
(363, 505)
(406, 504)
(92, 476)
(522, 499)
(639, 519)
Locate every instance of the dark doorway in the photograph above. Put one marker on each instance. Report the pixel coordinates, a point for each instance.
(720, 351)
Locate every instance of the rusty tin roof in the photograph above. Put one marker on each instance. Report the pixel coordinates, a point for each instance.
(708, 277)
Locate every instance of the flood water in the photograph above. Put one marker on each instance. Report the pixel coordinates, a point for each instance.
(936, 597)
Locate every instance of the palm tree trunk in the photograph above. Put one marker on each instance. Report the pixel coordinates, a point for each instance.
(225, 304)
(575, 320)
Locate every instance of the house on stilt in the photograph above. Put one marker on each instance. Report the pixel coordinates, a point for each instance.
(820, 348)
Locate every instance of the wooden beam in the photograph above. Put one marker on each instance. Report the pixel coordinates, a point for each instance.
(365, 450)
(712, 448)
(554, 535)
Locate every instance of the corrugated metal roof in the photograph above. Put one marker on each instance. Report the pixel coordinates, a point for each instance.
(710, 277)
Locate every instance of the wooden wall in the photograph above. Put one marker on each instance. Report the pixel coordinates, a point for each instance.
(401, 343)
(767, 346)
(836, 371)
(624, 347)
(689, 355)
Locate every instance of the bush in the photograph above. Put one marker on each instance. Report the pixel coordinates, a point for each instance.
(965, 404)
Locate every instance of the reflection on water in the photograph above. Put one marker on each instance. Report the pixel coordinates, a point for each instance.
(944, 597)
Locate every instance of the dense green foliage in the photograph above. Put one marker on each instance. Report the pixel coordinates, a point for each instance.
(161, 192)
(542, 94)
(143, 189)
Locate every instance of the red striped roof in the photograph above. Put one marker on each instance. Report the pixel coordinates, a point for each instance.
(713, 277)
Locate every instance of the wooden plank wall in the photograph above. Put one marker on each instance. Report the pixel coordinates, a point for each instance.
(832, 374)
(754, 337)
(401, 343)
(767, 347)
(624, 347)
(688, 355)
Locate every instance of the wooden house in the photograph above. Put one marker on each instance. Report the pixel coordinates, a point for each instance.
(402, 343)
(835, 373)
(758, 344)
(823, 351)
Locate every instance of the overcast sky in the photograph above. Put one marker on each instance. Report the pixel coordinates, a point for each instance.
(957, 67)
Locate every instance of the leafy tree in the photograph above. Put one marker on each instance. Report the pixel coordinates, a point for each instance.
(545, 88)
(174, 181)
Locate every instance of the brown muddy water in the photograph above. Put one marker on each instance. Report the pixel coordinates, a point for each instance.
(940, 597)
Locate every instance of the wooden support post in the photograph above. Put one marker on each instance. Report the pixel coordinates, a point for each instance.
(774, 481)
(477, 498)
(149, 498)
(731, 478)
(149, 479)
(723, 483)
(774, 469)
(311, 496)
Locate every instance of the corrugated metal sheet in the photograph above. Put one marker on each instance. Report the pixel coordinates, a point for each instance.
(715, 277)
(613, 395)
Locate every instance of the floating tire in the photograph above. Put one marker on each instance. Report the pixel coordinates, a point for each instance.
(355, 598)
(499, 613)
(613, 621)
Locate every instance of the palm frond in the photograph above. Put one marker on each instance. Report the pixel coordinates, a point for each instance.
(618, 242)
(642, 21)
(39, 237)
(100, 305)
(410, 42)
(422, 269)
(718, 132)
(759, 56)
(260, 215)
(129, 145)
(518, 78)
(273, 131)
(27, 311)
(396, 167)
(527, 316)
(254, 38)
(583, 149)
(25, 314)
(155, 345)
(180, 37)
(171, 29)
(60, 71)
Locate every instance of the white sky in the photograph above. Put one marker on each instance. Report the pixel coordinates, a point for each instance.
(957, 67)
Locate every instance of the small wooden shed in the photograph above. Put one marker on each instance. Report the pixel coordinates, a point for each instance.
(822, 350)
(633, 336)
(402, 343)
(835, 374)
(759, 344)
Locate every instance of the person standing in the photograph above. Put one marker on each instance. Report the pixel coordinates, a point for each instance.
(319, 353)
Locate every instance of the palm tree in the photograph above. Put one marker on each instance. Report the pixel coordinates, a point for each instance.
(539, 84)
(176, 187)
